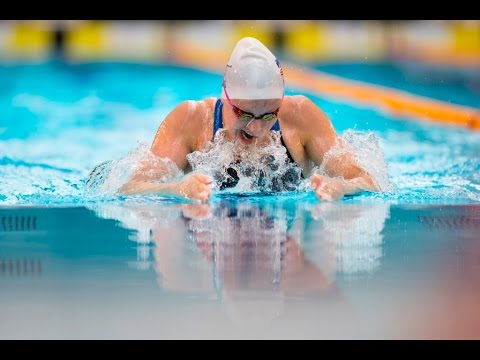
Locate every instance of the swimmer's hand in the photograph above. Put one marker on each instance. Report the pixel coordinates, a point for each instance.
(197, 211)
(332, 189)
(327, 188)
(195, 186)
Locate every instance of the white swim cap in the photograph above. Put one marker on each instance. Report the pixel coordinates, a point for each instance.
(253, 72)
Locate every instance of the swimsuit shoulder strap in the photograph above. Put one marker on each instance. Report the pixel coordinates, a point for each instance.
(276, 126)
(217, 117)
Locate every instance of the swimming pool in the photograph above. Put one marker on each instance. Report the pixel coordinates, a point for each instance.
(284, 266)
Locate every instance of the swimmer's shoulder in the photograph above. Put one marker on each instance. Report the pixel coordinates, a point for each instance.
(201, 108)
(292, 104)
(298, 111)
(291, 110)
(210, 101)
(195, 111)
(201, 113)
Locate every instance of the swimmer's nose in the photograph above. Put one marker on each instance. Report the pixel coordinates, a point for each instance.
(255, 127)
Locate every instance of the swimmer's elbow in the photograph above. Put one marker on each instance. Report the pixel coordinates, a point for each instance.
(369, 183)
(134, 187)
(365, 180)
(128, 188)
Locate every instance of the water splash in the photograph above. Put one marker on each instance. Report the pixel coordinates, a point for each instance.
(366, 151)
(238, 168)
(108, 177)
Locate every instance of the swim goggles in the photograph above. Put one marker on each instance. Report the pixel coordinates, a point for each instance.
(248, 116)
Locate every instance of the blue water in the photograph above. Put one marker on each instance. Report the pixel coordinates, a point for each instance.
(60, 120)
(251, 268)
(456, 86)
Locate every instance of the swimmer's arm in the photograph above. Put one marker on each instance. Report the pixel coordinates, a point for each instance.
(347, 177)
(177, 134)
(170, 143)
(147, 187)
(174, 140)
(354, 178)
(335, 188)
(194, 186)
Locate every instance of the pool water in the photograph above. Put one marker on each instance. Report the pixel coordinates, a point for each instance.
(59, 121)
(250, 268)
(273, 266)
(452, 85)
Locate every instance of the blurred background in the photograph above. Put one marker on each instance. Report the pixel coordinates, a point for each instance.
(434, 58)
(454, 43)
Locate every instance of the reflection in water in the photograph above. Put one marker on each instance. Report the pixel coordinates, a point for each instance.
(20, 266)
(254, 255)
(351, 237)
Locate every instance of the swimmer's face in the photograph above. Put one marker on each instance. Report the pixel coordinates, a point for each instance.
(248, 128)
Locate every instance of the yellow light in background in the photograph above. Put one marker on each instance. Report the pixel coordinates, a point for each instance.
(30, 40)
(466, 36)
(306, 41)
(86, 41)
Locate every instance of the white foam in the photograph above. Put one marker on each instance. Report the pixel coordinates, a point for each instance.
(366, 150)
(259, 169)
(108, 177)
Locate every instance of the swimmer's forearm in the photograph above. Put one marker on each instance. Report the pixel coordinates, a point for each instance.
(331, 189)
(194, 186)
(145, 187)
(359, 184)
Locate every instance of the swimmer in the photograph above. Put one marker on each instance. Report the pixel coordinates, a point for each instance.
(252, 107)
